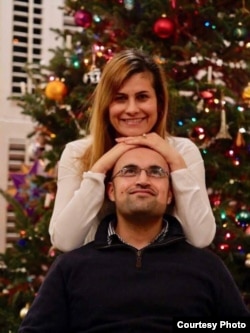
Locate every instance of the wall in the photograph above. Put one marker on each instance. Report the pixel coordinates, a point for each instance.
(14, 125)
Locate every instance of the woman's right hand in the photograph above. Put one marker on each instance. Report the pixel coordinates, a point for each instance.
(160, 145)
(108, 160)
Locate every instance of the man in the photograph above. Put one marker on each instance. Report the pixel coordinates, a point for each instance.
(139, 274)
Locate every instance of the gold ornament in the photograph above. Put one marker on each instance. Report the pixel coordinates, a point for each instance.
(246, 92)
(247, 261)
(24, 310)
(240, 142)
(56, 90)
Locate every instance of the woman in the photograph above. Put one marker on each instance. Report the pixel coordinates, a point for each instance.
(129, 109)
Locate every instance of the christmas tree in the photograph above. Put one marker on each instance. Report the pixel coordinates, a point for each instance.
(204, 47)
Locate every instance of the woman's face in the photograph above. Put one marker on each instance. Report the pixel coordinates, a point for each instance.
(133, 110)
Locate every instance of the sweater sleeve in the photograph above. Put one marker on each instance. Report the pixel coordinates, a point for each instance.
(192, 207)
(78, 200)
(49, 311)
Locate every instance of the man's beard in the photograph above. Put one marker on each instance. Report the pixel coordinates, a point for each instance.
(142, 211)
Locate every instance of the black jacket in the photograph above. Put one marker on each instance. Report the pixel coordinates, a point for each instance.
(116, 288)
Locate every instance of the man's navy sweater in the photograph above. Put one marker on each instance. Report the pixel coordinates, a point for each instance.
(116, 288)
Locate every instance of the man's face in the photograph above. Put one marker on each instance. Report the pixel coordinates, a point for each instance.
(135, 193)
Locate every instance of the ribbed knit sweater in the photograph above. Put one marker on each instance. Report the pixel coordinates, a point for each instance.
(116, 288)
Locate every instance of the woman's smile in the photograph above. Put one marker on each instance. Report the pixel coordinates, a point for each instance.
(133, 121)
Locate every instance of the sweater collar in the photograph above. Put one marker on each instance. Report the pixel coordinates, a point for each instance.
(174, 230)
(113, 236)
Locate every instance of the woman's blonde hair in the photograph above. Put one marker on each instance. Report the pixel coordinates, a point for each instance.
(120, 68)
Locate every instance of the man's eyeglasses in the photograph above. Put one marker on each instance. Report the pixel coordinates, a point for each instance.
(133, 171)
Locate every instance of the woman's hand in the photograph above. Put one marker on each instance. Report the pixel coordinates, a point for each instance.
(108, 160)
(162, 146)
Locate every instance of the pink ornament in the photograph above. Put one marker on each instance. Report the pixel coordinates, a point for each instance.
(164, 27)
(83, 18)
(247, 232)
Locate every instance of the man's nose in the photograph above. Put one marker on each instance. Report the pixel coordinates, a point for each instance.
(142, 177)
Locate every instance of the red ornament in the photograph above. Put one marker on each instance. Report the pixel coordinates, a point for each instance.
(224, 247)
(164, 27)
(83, 18)
(206, 94)
(197, 134)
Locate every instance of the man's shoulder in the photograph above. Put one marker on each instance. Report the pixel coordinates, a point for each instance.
(79, 252)
(206, 256)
